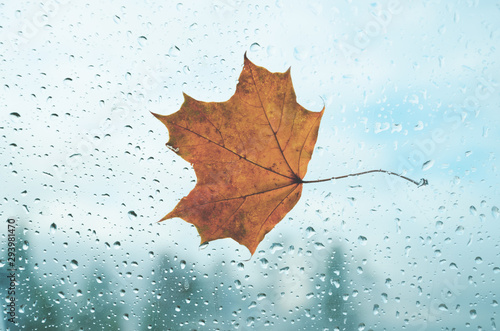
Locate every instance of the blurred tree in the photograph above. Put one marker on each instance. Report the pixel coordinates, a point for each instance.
(175, 299)
(100, 310)
(337, 312)
(36, 298)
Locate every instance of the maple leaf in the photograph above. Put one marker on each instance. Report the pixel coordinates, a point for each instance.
(250, 154)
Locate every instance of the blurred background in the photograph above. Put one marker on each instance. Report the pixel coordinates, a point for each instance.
(409, 86)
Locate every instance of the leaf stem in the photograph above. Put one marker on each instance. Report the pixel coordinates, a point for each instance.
(422, 181)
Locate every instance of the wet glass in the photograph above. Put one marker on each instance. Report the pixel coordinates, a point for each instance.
(410, 87)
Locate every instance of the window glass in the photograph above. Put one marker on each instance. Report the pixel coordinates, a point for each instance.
(85, 176)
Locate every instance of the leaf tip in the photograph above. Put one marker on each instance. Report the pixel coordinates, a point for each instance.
(252, 247)
(246, 60)
(158, 116)
(252, 251)
(168, 216)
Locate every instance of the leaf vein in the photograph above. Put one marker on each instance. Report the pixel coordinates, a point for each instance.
(227, 149)
(272, 129)
(274, 209)
(238, 197)
(305, 140)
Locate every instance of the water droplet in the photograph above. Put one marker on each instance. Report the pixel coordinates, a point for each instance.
(496, 270)
(125, 317)
(174, 51)
(142, 40)
(473, 314)
(276, 247)
(362, 240)
(117, 19)
(427, 165)
(53, 228)
(495, 212)
(478, 260)
(375, 309)
(319, 246)
(183, 264)
(74, 264)
(254, 47)
(335, 282)
(459, 230)
(473, 210)
(132, 215)
(388, 282)
(26, 245)
(300, 53)
(443, 307)
(407, 250)
(272, 51)
(264, 263)
(396, 128)
(116, 245)
(15, 117)
(203, 245)
(310, 232)
(261, 296)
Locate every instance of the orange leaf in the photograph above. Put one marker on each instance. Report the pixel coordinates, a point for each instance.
(250, 154)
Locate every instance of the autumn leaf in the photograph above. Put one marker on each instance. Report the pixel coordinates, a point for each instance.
(249, 153)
